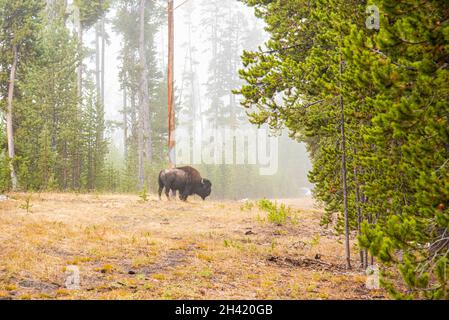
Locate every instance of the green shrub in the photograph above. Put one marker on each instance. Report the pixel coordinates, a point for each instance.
(144, 194)
(276, 214)
(4, 173)
(247, 206)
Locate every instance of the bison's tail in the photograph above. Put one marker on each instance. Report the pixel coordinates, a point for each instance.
(161, 183)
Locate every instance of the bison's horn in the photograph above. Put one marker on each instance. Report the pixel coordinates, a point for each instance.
(202, 181)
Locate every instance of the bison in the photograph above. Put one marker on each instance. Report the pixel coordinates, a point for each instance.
(186, 180)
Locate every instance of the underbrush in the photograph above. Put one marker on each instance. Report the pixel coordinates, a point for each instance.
(275, 214)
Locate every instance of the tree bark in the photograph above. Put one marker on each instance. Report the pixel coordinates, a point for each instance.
(9, 119)
(192, 77)
(76, 179)
(80, 67)
(359, 209)
(171, 96)
(103, 53)
(140, 135)
(144, 136)
(97, 64)
(125, 123)
(94, 150)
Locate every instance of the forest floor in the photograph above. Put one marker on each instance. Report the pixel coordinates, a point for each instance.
(125, 248)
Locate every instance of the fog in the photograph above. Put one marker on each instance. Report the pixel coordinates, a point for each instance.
(192, 74)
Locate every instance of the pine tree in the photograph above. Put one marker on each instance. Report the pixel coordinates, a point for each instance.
(395, 108)
(410, 132)
(19, 22)
(146, 130)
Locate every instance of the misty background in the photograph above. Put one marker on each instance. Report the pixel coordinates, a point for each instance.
(91, 100)
(194, 52)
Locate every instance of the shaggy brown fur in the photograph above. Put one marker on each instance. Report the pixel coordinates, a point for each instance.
(186, 180)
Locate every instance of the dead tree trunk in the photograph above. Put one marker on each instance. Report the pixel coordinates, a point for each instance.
(76, 178)
(359, 209)
(125, 123)
(80, 66)
(97, 63)
(171, 96)
(144, 136)
(9, 119)
(103, 53)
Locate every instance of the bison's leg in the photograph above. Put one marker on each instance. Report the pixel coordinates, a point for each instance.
(160, 191)
(185, 193)
(180, 190)
(169, 184)
(167, 191)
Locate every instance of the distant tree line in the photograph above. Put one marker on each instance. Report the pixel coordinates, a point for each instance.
(54, 113)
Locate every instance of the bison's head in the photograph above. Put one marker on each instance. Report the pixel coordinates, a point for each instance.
(204, 189)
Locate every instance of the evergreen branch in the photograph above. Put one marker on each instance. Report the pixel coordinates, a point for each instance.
(281, 49)
(442, 166)
(313, 103)
(181, 4)
(307, 47)
(377, 51)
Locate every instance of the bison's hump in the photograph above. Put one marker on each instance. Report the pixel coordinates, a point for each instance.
(193, 174)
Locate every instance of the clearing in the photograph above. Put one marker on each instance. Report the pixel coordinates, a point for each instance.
(128, 249)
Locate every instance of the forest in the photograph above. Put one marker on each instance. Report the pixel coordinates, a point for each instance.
(354, 92)
(62, 140)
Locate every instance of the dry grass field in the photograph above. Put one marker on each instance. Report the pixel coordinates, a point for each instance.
(129, 249)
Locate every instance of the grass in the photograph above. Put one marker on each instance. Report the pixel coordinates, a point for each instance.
(126, 248)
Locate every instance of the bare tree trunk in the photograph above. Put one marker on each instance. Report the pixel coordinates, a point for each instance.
(97, 63)
(133, 114)
(214, 57)
(232, 103)
(125, 123)
(103, 53)
(140, 152)
(145, 145)
(135, 132)
(9, 119)
(359, 208)
(76, 182)
(141, 115)
(80, 67)
(171, 96)
(365, 256)
(365, 218)
(344, 170)
(192, 77)
(94, 150)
